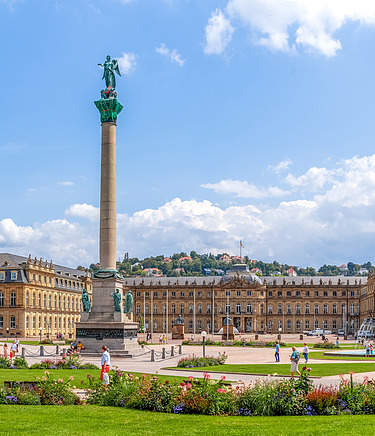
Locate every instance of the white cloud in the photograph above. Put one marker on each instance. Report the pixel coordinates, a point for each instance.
(287, 24)
(313, 180)
(244, 189)
(218, 33)
(172, 55)
(127, 63)
(66, 183)
(334, 226)
(280, 167)
(86, 211)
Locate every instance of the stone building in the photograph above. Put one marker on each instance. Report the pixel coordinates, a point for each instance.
(254, 304)
(38, 297)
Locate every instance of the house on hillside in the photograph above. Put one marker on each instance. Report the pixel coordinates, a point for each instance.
(225, 258)
(256, 271)
(185, 259)
(167, 260)
(291, 272)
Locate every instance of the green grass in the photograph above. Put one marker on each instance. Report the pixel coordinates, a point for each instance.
(109, 421)
(319, 355)
(317, 369)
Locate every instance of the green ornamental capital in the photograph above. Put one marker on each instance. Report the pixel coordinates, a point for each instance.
(109, 109)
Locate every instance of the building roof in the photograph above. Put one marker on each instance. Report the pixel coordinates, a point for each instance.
(16, 261)
(276, 281)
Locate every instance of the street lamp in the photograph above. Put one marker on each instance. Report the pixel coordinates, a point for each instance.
(204, 334)
(279, 334)
(40, 335)
(7, 333)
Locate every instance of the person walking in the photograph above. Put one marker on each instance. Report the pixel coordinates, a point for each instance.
(294, 359)
(13, 350)
(277, 352)
(106, 363)
(305, 352)
(5, 348)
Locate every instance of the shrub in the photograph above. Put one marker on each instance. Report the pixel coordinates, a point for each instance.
(273, 344)
(20, 363)
(4, 362)
(325, 344)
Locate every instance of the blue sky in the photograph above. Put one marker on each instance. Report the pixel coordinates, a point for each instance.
(246, 120)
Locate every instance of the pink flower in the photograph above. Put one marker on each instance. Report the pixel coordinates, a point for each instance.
(206, 376)
(191, 377)
(309, 369)
(182, 384)
(189, 385)
(341, 375)
(223, 377)
(351, 372)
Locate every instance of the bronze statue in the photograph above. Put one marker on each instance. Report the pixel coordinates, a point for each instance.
(110, 68)
(117, 299)
(85, 301)
(129, 302)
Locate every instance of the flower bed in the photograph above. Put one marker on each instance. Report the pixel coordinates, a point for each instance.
(196, 362)
(70, 362)
(210, 397)
(237, 343)
(326, 344)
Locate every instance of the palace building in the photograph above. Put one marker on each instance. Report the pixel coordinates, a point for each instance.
(254, 304)
(38, 298)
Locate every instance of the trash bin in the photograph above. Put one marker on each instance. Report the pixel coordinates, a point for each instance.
(301, 337)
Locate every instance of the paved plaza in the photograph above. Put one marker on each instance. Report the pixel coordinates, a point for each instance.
(236, 355)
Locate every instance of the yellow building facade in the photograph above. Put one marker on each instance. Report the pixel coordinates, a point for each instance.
(38, 298)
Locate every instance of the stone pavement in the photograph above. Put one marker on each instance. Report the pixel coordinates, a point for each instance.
(236, 355)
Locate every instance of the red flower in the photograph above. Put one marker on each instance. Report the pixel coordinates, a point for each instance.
(304, 368)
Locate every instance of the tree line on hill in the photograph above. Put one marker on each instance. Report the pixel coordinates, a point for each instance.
(194, 264)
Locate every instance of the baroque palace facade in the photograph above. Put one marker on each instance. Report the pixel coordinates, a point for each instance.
(39, 298)
(254, 304)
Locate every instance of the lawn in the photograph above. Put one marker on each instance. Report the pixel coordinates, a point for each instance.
(95, 420)
(317, 369)
(319, 355)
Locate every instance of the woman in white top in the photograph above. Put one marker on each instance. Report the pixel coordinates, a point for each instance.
(105, 362)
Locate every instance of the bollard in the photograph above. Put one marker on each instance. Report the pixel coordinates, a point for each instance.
(172, 351)
(41, 353)
(57, 349)
(180, 349)
(256, 337)
(301, 337)
(152, 356)
(163, 353)
(23, 352)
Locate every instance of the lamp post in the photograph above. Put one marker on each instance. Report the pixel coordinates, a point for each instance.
(280, 334)
(7, 333)
(40, 335)
(204, 334)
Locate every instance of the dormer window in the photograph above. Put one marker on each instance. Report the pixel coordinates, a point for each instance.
(2, 275)
(13, 275)
(6, 262)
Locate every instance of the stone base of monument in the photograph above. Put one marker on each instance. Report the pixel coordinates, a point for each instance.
(103, 326)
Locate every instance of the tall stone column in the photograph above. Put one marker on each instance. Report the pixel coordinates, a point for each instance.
(107, 244)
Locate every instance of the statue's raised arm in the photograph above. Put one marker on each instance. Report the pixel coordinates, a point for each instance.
(110, 68)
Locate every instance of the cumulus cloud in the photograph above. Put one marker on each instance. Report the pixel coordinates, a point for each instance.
(172, 55)
(66, 183)
(332, 226)
(127, 63)
(218, 33)
(84, 210)
(244, 189)
(285, 25)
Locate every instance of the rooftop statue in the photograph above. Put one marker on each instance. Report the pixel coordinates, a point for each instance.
(110, 68)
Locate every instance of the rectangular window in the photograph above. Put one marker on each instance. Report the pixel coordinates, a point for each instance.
(191, 309)
(249, 293)
(316, 324)
(343, 293)
(165, 294)
(334, 309)
(173, 294)
(270, 309)
(298, 324)
(279, 293)
(2, 276)
(238, 293)
(138, 309)
(208, 308)
(334, 324)
(316, 293)
(352, 293)
(147, 309)
(156, 294)
(13, 275)
(182, 294)
(1, 299)
(182, 308)
(334, 293)
(316, 309)
(155, 309)
(289, 293)
(208, 294)
(12, 299)
(325, 309)
(191, 325)
(199, 294)
(1, 322)
(199, 325)
(12, 322)
(138, 294)
(270, 293)
(307, 324)
(227, 293)
(199, 308)
(191, 294)
(298, 293)
(298, 309)
(307, 293)
(325, 325)
(325, 294)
